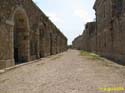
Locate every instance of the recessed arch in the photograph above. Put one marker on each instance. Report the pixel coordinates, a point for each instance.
(21, 33)
(41, 39)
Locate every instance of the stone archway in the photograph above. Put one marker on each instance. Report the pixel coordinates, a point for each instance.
(51, 44)
(21, 40)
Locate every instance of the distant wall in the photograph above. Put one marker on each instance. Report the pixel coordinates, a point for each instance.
(106, 36)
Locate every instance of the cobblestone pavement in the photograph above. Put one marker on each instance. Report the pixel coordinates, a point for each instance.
(64, 73)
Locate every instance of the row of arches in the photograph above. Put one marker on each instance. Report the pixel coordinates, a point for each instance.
(29, 45)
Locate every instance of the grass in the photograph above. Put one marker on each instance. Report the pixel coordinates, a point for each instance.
(101, 60)
(3, 81)
(91, 56)
(57, 57)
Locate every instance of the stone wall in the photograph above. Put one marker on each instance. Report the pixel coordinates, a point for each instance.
(87, 41)
(110, 29)
(108, 39)
(77, 43)
(26, 33)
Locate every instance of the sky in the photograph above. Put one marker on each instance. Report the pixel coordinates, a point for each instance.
(70, 16)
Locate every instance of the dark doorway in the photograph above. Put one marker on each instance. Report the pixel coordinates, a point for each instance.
(16, 55)
(19, 47)
(21, 40)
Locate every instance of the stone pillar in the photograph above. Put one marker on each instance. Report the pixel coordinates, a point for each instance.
(58, 44)
(48, 44)
(38, 44)
(12, 46)
(55, 44)
(6, 45)
(27, 51)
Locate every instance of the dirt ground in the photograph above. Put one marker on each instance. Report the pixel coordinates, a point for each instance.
(67, 72)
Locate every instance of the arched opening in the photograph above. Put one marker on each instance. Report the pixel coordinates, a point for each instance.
(51, 44)
(41, 52)
(21, 38)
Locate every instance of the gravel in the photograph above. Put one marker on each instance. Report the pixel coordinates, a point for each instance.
(67, 72)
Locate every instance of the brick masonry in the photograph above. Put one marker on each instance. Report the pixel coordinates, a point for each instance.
(26, 33)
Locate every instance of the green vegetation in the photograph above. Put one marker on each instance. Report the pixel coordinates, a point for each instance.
(56, 57)
(101, 60)
(91, 56)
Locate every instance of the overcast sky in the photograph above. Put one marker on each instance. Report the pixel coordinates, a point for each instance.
(70, 16)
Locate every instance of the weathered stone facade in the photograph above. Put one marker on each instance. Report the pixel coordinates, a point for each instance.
(87, 41)
(110, 29)
(110, 25)
(26, 33)
(77, 43)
